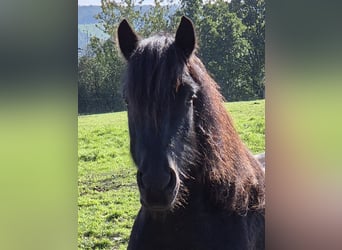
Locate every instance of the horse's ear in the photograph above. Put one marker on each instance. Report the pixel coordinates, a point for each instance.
(128, 40)
(185, 36)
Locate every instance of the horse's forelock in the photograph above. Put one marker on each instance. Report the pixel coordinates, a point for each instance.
(154, 70)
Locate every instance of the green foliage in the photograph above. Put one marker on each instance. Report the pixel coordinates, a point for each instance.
(108, 196)
(224, 50)
(114, 11)
(252, 14)
(192, 9)
(156, 19)
(99, 78)
(232, 44)
(231, 39)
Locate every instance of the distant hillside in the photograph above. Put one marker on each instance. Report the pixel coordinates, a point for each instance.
(86, 14)
(86, 31)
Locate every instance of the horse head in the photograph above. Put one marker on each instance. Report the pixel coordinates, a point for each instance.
(160, 96)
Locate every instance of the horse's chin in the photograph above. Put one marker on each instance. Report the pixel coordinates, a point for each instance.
(156, 208)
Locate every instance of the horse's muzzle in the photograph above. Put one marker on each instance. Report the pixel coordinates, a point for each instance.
(158, 191)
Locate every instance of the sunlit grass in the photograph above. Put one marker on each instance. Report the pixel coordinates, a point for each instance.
(108, 197)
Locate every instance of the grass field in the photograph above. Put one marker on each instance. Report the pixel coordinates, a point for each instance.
(108, 197)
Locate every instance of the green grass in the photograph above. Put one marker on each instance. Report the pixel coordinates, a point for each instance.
(249, 120)
(108, 197)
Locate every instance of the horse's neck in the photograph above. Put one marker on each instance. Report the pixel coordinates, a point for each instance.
(198, 198)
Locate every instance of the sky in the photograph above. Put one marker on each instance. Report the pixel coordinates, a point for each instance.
(98, 2)
(89, 2)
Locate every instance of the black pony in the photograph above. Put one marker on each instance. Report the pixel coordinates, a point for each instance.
(200, 187)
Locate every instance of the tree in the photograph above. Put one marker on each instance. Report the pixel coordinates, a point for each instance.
(224, 50)
(113, 12)
(146, 22)
(157, 19)
(193, 9)
(100, 78)
(252, 14)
